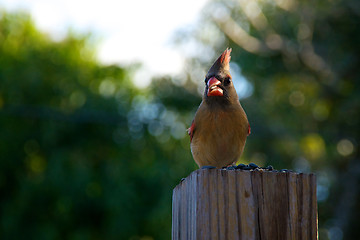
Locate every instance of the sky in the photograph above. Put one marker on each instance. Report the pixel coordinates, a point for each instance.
(130, 31)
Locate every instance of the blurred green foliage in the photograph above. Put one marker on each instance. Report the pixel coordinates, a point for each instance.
(302, 59)
(84, 154)
(87, 155)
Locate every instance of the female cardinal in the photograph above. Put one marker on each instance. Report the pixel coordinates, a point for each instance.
(220, 127)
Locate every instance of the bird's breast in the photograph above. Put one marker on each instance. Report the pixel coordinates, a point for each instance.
(219, 137)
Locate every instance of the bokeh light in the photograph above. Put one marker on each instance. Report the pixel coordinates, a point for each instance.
(345, 147)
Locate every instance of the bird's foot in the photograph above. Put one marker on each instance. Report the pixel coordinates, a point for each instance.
(208, 167)
(230, 167)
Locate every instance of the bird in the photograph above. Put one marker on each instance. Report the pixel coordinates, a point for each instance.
(220, 127)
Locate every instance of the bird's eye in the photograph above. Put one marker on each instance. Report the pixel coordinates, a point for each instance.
(227, 81)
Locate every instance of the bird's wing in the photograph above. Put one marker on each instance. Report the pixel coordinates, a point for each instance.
(191, 130)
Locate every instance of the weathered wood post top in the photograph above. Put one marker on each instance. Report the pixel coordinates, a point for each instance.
(238, 204)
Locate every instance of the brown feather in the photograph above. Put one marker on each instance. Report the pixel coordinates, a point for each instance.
(220, 127)
(220, 135)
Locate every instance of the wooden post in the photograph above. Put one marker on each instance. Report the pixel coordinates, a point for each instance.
(235, 204)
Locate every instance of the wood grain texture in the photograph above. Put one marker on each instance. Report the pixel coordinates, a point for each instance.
(235, 204)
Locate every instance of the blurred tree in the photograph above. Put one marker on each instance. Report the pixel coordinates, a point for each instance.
(84, 154)
(302, 59)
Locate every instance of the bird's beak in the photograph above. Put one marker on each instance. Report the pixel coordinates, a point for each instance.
(213, 87)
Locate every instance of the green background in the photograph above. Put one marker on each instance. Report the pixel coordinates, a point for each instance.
(85, 154)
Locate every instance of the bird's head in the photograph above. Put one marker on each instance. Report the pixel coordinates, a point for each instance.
(218, 81)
